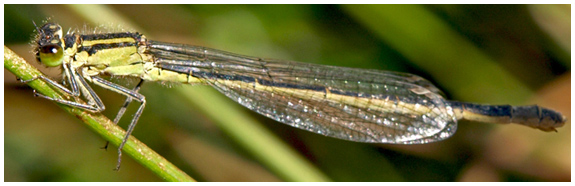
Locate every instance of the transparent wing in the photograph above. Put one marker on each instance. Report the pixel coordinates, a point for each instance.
(352, 104)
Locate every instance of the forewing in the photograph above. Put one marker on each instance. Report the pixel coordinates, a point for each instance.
(344, 103)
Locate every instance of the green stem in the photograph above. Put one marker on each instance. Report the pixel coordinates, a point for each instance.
(97, 122)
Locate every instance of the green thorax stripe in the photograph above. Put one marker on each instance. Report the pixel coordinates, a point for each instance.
(94, 42)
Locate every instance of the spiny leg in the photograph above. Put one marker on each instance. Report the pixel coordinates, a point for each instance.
(132, 95)
(77, 84)
(124, 108)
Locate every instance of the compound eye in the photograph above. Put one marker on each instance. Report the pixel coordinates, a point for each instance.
(50, 55)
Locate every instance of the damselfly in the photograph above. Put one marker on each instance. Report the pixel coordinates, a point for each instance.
(360, 105)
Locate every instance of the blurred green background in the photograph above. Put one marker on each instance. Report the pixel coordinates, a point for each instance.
(495, 54)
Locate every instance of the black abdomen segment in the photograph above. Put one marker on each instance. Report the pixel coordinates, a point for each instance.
(532, 115)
